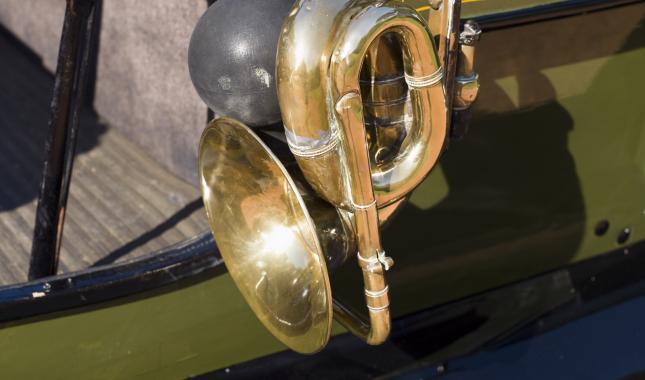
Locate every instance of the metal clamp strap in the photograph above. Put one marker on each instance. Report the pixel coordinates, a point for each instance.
(426, 81)
(314, 152)
(380, 259)
(371, 260)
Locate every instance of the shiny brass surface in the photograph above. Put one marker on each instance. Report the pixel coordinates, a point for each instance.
(265, 235)
(365, 114)
(371, 257)
(387, 104)
(277, 239)
(467, 80)
(365, 111)
(313, 74)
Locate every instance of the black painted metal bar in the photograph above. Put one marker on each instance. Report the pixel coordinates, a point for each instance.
(483, 321)
(549, 11)
(182, 264)
(67, 101)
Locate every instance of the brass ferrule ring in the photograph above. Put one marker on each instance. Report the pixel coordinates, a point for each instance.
(356, 206)
(376, 293)
(375, 309)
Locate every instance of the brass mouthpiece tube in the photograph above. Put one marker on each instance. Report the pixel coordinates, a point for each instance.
(370, 253)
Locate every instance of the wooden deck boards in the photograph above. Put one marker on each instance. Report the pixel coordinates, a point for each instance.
(122, 203)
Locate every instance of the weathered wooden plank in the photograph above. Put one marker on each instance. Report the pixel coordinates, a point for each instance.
(122, 203)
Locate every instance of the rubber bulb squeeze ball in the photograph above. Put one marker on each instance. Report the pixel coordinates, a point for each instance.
(232, 56)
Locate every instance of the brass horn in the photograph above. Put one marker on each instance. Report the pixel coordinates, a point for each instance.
(366, 117)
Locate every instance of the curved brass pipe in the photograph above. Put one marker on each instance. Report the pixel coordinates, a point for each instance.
(395, 178)
(308, 91)
(318, 71)
(362, 143)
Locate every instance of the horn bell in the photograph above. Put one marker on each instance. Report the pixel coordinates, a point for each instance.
(266, 236)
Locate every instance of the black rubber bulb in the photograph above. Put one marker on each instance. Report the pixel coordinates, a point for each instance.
(232, 55)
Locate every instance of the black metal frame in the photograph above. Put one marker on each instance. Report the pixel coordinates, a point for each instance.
(182, 264)
(69, 89)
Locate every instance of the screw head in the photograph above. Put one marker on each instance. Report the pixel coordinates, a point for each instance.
(624, 235)
(601, 227)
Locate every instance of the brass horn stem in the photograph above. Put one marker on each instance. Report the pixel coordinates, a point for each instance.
(370, 253)
(423, 74)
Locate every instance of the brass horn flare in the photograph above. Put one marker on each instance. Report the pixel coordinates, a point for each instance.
(265, 235)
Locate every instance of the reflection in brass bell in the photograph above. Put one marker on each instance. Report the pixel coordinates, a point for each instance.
(267, 237)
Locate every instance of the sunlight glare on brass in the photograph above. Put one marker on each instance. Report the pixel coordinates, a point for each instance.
(265, 235)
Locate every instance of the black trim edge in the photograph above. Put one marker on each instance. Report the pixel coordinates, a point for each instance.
(188, 259)
(489, 320)
(547, 12)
